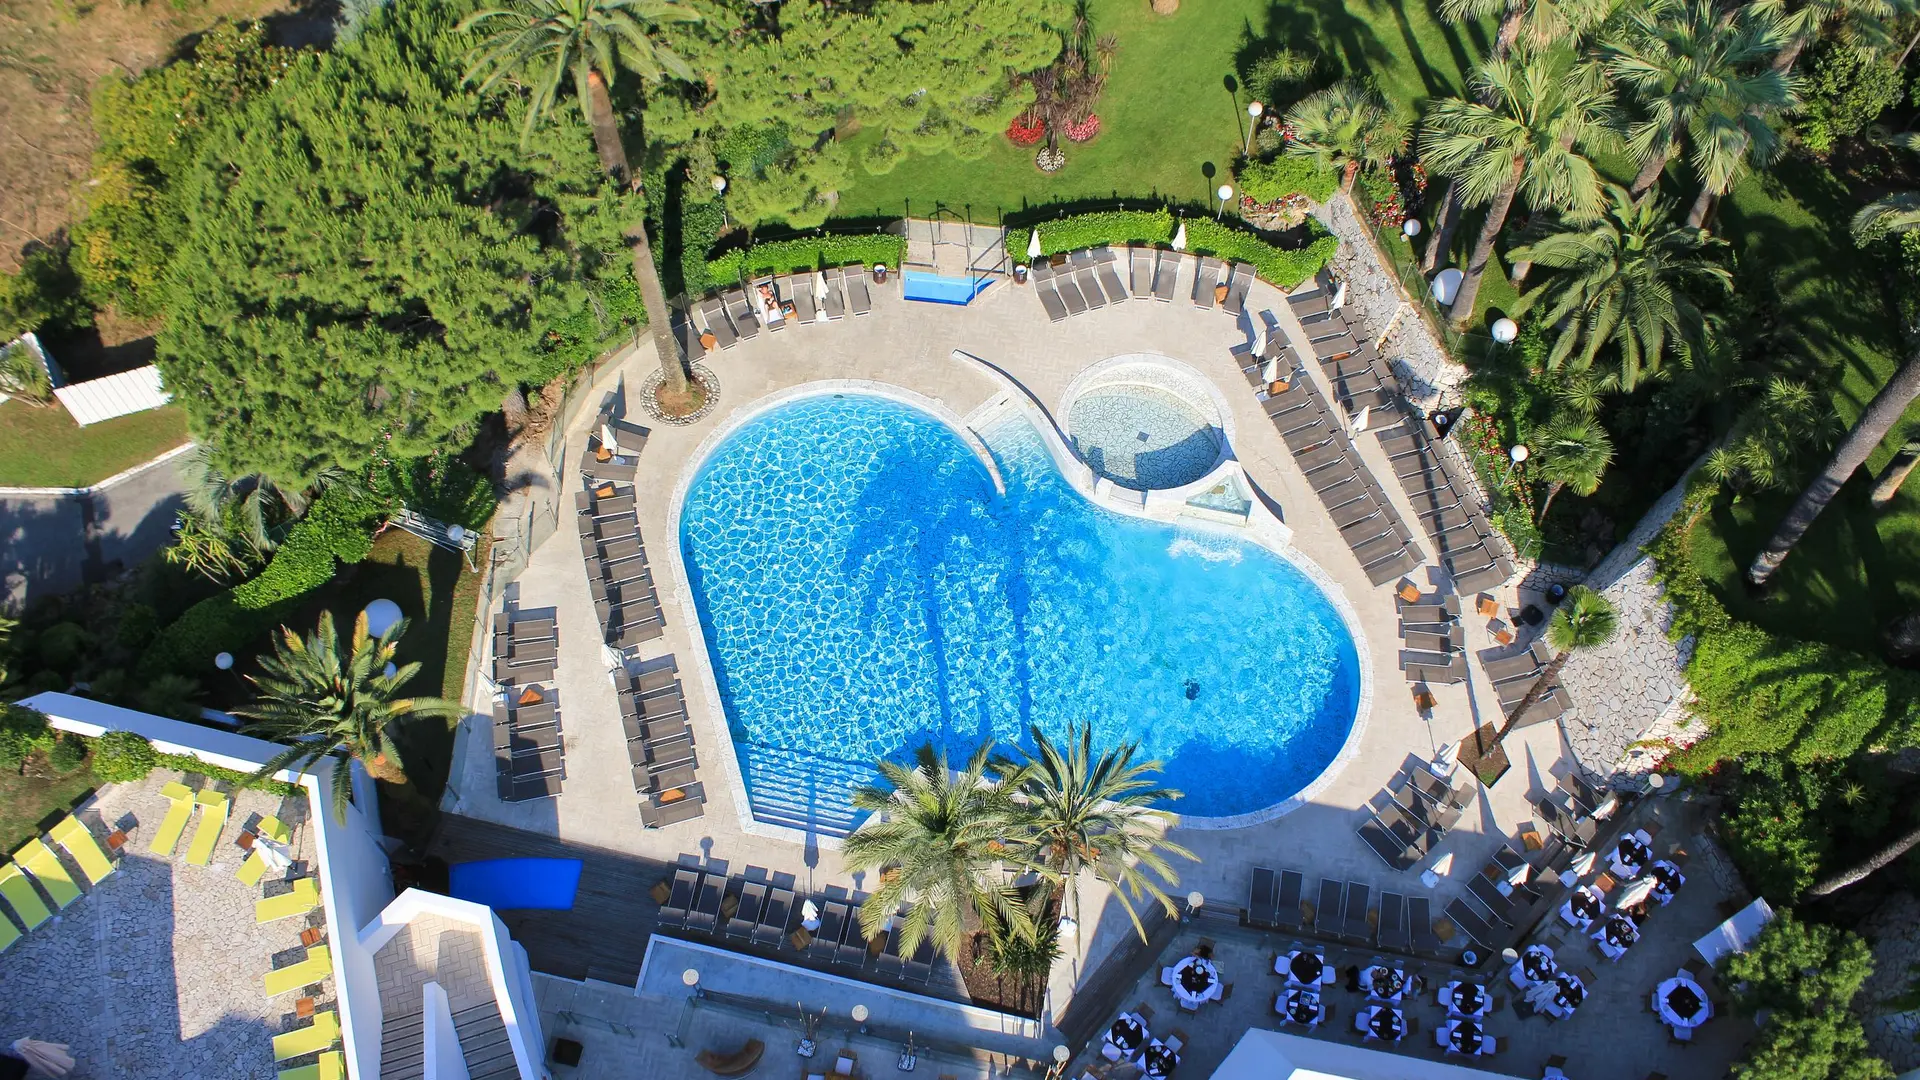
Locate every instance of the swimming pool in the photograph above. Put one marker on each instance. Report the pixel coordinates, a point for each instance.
(920, 285)
(862, 589)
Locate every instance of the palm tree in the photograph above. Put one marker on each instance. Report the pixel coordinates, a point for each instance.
(1899, 212)
(311, 693)
(1346, 126)
(1572, 451)
(1697, 71)
(543, 43)
(1887, 484)
(1088, 812)
(1585, 619)
(1902, 844)
(1625, 282)
(1861, 22)
(1523, 143)
(937, 840)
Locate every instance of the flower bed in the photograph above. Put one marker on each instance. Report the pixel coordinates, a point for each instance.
(1084, 129)
(1026, 131)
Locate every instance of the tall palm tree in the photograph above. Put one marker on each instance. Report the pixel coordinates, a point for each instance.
(1899, 212)
(1901, 844)
(938, 841)
(311, 693)
(1885, 486)
(1585, 620)
(1346, 126)
(1520, 138)
(1698, 71)
(546, 43)
(1090, 812)
(1571, 451)
(1860, 22)
(1626, 282)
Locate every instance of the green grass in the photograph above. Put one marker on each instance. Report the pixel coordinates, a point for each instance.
(1167, 112)
(32, 795)
(43, 447)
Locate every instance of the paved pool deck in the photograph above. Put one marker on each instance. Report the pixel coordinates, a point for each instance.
(909, 345)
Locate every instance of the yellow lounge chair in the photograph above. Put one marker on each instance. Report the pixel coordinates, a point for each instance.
(8, 935)
(270, 828)
(213, 818)
(73, 835)
(319, 1035)
(302, 899)
(331, 1066)
(44, 865)
(19, 892)
(167, 837)
(318, 965)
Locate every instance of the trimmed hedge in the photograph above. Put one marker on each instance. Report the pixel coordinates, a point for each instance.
(807, 254)
(1271, 181)
(1279, 266)
(1093, 230)
(124, 757)
(338, 526)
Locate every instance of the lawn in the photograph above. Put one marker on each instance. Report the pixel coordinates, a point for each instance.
(32, 795)
(43, 447)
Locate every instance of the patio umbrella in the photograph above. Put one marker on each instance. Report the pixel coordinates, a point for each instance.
(1360, 421)
(1033, 245)
(1444, 864)
(1583, 865)
(1444, 759)
(1260, 341)
(49, 1058)
(1636, 891)
(1339, 296)
(608, 439)
(1180, 237)
(820, 284)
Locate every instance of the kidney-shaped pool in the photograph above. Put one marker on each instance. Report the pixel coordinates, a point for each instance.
(863, 589)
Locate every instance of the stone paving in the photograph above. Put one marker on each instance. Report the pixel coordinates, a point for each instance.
(1894, 930)
(157, 971)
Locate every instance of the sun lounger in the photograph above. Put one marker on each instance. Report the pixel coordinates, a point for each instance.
(1166, 276)
(1240, 280)
(1140, 262)
(1308, 303)
(1485, 578)
(853, 945)
(1470, 923)
(1392, 850)
(1448, 642)
(167, 836)
(686, 334)
(1286, 912)
(44, 865)
(744, 319)
(1355, 926)
(771, 929)
(318, 965)
(858, 299)
(1090, 288)
(746, 912)
(1204, 280)
(73, 835)
(528, 788)
(1420, 923)
(18, 890)
(718, 323)
(1396, 564)
(833, 924)
(680, 896)
(1524, 665)
(1110, 281)
(317, 1036)
(8, 935)
(920, 964)
(1326, 917)
(1437, 791)
(1393, 922)
(302, 899)
(705, 915)
(802, 296)
(1070, 294)
(213, 818)
(331, 1066)
(1260, 897)
(1483, 890)
(690, 804)
(835, 304)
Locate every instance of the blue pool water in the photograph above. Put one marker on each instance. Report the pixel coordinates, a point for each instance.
(920, 285)
(864, 589)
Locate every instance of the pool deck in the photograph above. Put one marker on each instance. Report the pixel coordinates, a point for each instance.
(909, 345)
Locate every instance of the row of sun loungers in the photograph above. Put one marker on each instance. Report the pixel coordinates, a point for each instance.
(1463, 538)
(618, 576)
(1434, 639)
(1421, 809)
(653, 712)
(1574, 811)
(1351, 362)
(527, 748)
(1091, 278)
(768, 914)
(1343, 911)
(1513, 677)
(735, 316)
(613, 447)
(36, 863)
(1321, 447)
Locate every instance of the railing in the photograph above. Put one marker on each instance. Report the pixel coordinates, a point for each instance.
(846, 1030)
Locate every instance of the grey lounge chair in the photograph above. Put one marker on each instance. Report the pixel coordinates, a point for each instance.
(686, 334)
(742, 312)
(1238, 283)
(853, 944)
(858, 298)
(1090, 287)
(680, 897)
(705, 915)
(1390, 848)
(1070, 294)
(1166, 276)
(771, 930)
(1434, 670)
(746, 913)
(718, 323)
(1420, 922)
(1140, 261)
(1050, 300)
(1326, 917)
(802, 297)
(920, 964)
(1355, 926)
(833, 924)
(1110, 281)
(891, 961)
(835, 304)
(1260, 897)
(1286, 913)
(1393, 922)
(1470, 923)
(1204, 280)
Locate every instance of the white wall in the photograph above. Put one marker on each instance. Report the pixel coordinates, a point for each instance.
(441, 1044)
(356, 881)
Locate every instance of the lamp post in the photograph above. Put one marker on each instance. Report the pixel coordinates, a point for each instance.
(1505, 330)
(860, 1015)
(720, 188)
(690, 978)
(1195, 902)
(1225, 192)
(223, 661)
(1515, 456)
(1254, 109)
(1410, 228)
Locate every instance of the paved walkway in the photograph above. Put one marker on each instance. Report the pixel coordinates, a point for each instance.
(53, 543)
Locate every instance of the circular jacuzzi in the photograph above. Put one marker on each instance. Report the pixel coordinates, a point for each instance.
(1145, 422)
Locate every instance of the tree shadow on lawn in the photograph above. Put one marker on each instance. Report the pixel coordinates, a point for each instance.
(1302, 26)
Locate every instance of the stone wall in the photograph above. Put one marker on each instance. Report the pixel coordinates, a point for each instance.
(1894, 930)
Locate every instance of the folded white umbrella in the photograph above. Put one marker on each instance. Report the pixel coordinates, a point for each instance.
(608, 439)
(1339, 296)
(1180, 237)
(49, 1058)
(276, 855)
(1583, 865)
(1636, 891)
(1444, 759)
(1033, 245)
(820, 284)
(1260, 341)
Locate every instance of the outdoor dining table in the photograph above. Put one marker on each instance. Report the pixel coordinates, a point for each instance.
(1558, 996)
(1157, 1060)
(1128, 1033)
(1466, 1036)
(1667, 880)
(1466, 999)
(1582, 907)
(1195, 981)
(1682, 1003)
(1384, 983)
(1535, 965)
(1386, 1023)
(1631, 855)
(1300, 1005)
(1301, 968)
(1620, 930)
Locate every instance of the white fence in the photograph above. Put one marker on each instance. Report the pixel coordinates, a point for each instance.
(116, 395)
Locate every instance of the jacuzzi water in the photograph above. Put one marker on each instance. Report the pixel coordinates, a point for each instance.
(863, 589)
(1142, 437)
(920, 285)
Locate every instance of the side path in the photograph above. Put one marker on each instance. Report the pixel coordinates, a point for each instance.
(54, 540)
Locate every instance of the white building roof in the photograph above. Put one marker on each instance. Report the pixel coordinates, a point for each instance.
(1275, 1055)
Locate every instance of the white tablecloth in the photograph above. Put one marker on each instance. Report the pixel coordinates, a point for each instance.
(1670, 1016)
(1187, 997)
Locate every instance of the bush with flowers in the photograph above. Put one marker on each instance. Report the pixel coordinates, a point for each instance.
(1026, 130)
(1050, 159)
(1082, 130)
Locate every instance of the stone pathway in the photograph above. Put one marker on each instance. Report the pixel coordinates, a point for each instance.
(1894, 929)
(1425, 370)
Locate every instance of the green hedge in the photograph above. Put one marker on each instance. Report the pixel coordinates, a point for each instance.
(807, 254)
(338, 526)
(1271, 181)
(22, 731)
(1279, 266)
(124, 757)
(1092, 230)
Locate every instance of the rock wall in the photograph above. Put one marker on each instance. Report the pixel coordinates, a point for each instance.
(1893, 1033)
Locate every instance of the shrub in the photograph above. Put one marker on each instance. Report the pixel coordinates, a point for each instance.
(807, 254)
(121, 757)
(1092, 230)
(1026, 131)
(1848, 89)
(44, 293)
(1282, 267)
(437, 485)
(22, 731)
(1271, 181)
(68, 756)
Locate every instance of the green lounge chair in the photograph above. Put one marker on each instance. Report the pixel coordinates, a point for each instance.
(302, 899)
(19, 892)
(167, 837)
(44, 865)
(318, 965)
(8, 935)
(315, 1037)
(255, 867)
(331, 1066)
(213, 818)
(73, 835)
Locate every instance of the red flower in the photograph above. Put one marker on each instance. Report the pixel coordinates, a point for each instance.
(1026, 131)
(1085, 129)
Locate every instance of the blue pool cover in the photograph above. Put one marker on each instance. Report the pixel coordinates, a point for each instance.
(505, 884)
(933, 288)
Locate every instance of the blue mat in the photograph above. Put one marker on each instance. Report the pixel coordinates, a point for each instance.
(506, 884)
